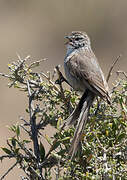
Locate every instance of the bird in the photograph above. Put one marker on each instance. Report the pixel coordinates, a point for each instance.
(85, 75)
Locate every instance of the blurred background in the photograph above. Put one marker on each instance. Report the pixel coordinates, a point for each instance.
(37, 28)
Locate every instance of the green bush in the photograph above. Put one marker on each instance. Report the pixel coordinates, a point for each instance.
(103, 150)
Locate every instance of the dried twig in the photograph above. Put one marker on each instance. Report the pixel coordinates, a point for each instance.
(46, 77)
(116, 86)
(5, 75)
(112, 66)
(25, 122)
(28, 132)
(122, 72)
(36, 63)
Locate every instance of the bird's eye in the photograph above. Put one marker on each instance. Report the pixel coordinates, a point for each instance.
(78, 38)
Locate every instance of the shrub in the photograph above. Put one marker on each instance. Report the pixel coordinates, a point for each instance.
(103, 150)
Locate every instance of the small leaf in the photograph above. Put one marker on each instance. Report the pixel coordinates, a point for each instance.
(13, 128)
(13, 142)
(55, 145)
(89, 157)
(87, 174)
(121, 136)
(62, 152)
(7, 151)
(48, 139)
(9, 65)
(17, 150)
(27, 110)
(110, 125)
(124, 115)
(65, 139)
(42, 151)
(17, 131)
(107, 132)
(35, 65)
(26, 141)
(59, 122)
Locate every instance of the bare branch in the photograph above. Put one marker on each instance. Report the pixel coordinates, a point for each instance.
(122, 72)
(45, 76)
(36, 63)
(5, 75)
(112, 66)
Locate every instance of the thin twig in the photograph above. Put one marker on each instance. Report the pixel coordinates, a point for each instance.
(28, 132)
(116, 86)
(5, 75)
(25, 59)
(27, 151)
(9, 170)
(60, 80)
(25, 122)
(98, 141)
(6, 156)
(122, 72)
(36, 63)
(45, 76)
(61, 77)
(112, 66)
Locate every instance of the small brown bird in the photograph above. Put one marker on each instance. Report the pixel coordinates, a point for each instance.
(84, 74)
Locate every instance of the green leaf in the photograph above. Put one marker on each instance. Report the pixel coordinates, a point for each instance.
(65, 139)
(27, 110)
(62, 152)
(42, 151)
(36, 64)
(17, 150)
(17, 131)
(48, 139)
(55, 144)
(26, 141)
(13, 142)
(59, 122)
(7, 151)
(13, 128)
(121, 136)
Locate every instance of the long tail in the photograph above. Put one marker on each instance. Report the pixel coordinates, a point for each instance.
(75, 114)
(86, 102)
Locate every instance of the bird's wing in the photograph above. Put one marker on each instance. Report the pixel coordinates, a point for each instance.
(84, 65)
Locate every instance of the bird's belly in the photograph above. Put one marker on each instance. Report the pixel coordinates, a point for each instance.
(76, 83)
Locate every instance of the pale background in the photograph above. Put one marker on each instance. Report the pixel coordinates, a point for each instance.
(38, 27)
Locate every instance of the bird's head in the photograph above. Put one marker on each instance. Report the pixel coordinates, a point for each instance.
(77, 39)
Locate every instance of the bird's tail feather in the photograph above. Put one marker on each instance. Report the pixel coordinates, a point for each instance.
(75, 114)
(87, 102)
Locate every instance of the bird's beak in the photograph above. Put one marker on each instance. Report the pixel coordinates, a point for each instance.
(68, 39)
